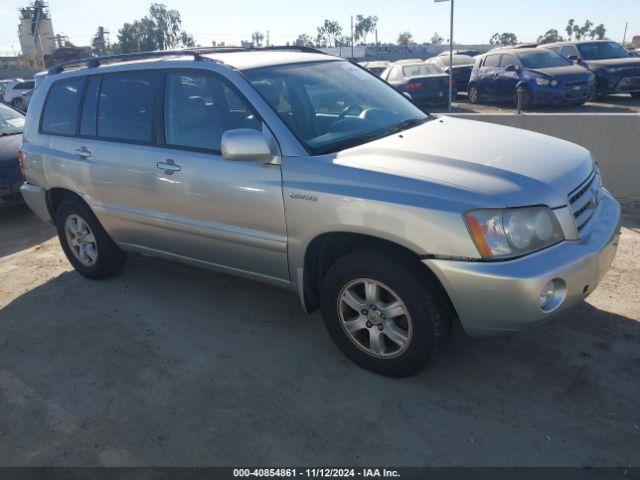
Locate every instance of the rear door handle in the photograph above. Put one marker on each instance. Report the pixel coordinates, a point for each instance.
(169, 166)
(82, 152)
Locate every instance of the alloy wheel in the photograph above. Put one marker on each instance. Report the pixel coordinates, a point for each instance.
(81, 240)
(375, 318)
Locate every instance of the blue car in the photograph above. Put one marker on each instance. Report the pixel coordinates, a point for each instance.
(616, 70)
(11, 127)
(426, 84)
(543, 77)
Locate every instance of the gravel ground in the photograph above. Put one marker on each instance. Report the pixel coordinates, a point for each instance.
(610, 104)
(171, 365)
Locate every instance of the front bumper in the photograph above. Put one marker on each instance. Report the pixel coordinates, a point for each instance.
(501, 297)
(562, 95)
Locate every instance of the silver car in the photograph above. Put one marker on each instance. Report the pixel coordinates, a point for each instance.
(307, 172)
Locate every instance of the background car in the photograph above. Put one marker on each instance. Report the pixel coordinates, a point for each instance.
(11, 127)
(26, 98)
(426, 83)
(376, 67)
(470, 52)
(615, 69)
(543, 77)
(462, 66)
(13, 92)
(6, 83)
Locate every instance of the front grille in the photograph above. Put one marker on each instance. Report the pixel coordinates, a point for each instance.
(576, 83)
(585, 199)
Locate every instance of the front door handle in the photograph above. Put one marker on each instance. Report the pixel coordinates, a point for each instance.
(82, 152)
(169, 166)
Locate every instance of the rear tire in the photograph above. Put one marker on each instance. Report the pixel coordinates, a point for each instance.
(395, 342)
(85, 242)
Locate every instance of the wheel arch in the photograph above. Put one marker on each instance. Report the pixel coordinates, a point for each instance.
(327, 248)
(55, 196)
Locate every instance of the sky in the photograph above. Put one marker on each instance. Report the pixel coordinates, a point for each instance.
(231, 22)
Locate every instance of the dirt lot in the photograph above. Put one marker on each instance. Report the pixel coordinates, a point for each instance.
(170, 365)
(610, 104)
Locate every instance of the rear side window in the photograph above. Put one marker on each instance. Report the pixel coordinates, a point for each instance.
(569, 51)
(24, 86)
(60, 116)
(492, 61)
(507, 60)
(125, 106)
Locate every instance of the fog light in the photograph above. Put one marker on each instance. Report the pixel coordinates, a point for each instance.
(552, 295)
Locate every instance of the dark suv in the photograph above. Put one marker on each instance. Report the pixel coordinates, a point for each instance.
(615, 69)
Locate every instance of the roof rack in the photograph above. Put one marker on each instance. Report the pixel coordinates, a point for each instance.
(196, 53)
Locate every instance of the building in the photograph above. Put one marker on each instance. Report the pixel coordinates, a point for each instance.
(35, 32)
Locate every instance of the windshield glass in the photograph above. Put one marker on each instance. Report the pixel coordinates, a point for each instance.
(11, 122)
(420, 70)
(602, 51)
(333, 105)
(543, 59)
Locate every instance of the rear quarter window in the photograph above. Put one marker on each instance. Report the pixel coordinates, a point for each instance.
(60, 116)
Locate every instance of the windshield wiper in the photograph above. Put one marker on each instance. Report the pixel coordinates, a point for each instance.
(405, 124)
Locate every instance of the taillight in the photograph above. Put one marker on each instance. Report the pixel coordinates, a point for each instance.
(411, 86)
(21, 164)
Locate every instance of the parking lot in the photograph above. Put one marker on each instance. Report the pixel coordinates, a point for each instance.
(610, 104)
(171, 365)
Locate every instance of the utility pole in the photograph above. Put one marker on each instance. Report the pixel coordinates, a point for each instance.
(624, 38)
(450, 54)
(351, 37)
(268, 39)
(377, 46)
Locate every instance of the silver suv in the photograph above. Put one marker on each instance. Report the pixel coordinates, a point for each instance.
(307, 172)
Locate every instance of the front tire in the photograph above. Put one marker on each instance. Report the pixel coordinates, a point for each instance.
(85, 242)
(384, 312)
(474, 94)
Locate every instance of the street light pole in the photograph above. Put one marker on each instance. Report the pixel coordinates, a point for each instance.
(450, 53)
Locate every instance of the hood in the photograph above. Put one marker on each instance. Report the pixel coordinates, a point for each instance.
(9, 150)
(614, 62)
(573, 72)
(512, 167)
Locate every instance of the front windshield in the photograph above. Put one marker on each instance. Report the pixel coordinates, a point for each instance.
(11, 122)
(602, 51)
(420, 70)
(543, 59)
(333, 105)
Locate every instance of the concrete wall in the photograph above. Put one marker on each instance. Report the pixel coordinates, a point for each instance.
(614, 140)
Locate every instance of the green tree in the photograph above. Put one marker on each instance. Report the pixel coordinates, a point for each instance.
(569, 28)
(599, 33)
(304, 40)
(437, 39)
(256, 38)
(365, 26)
(506, 38)
(550, 36)
(329, 33)
(583, 31)
(161, 30)
(405, 39)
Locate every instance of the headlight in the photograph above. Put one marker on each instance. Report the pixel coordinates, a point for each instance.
(554, 83)
(513, 232)
(542, 81)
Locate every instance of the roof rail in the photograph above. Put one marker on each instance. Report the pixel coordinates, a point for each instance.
(196, 53)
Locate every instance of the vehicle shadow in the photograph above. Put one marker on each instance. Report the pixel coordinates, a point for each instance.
(630, 213)
(21, 229)
(171, 365)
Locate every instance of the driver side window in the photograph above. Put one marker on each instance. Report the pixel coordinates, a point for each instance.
(199, 108)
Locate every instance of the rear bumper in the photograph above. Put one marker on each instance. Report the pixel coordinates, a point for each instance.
(36, 199)
(501, 297)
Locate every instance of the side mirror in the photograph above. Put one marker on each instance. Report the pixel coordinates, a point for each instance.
(245, 144)
(574, 58)
(511, 68)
